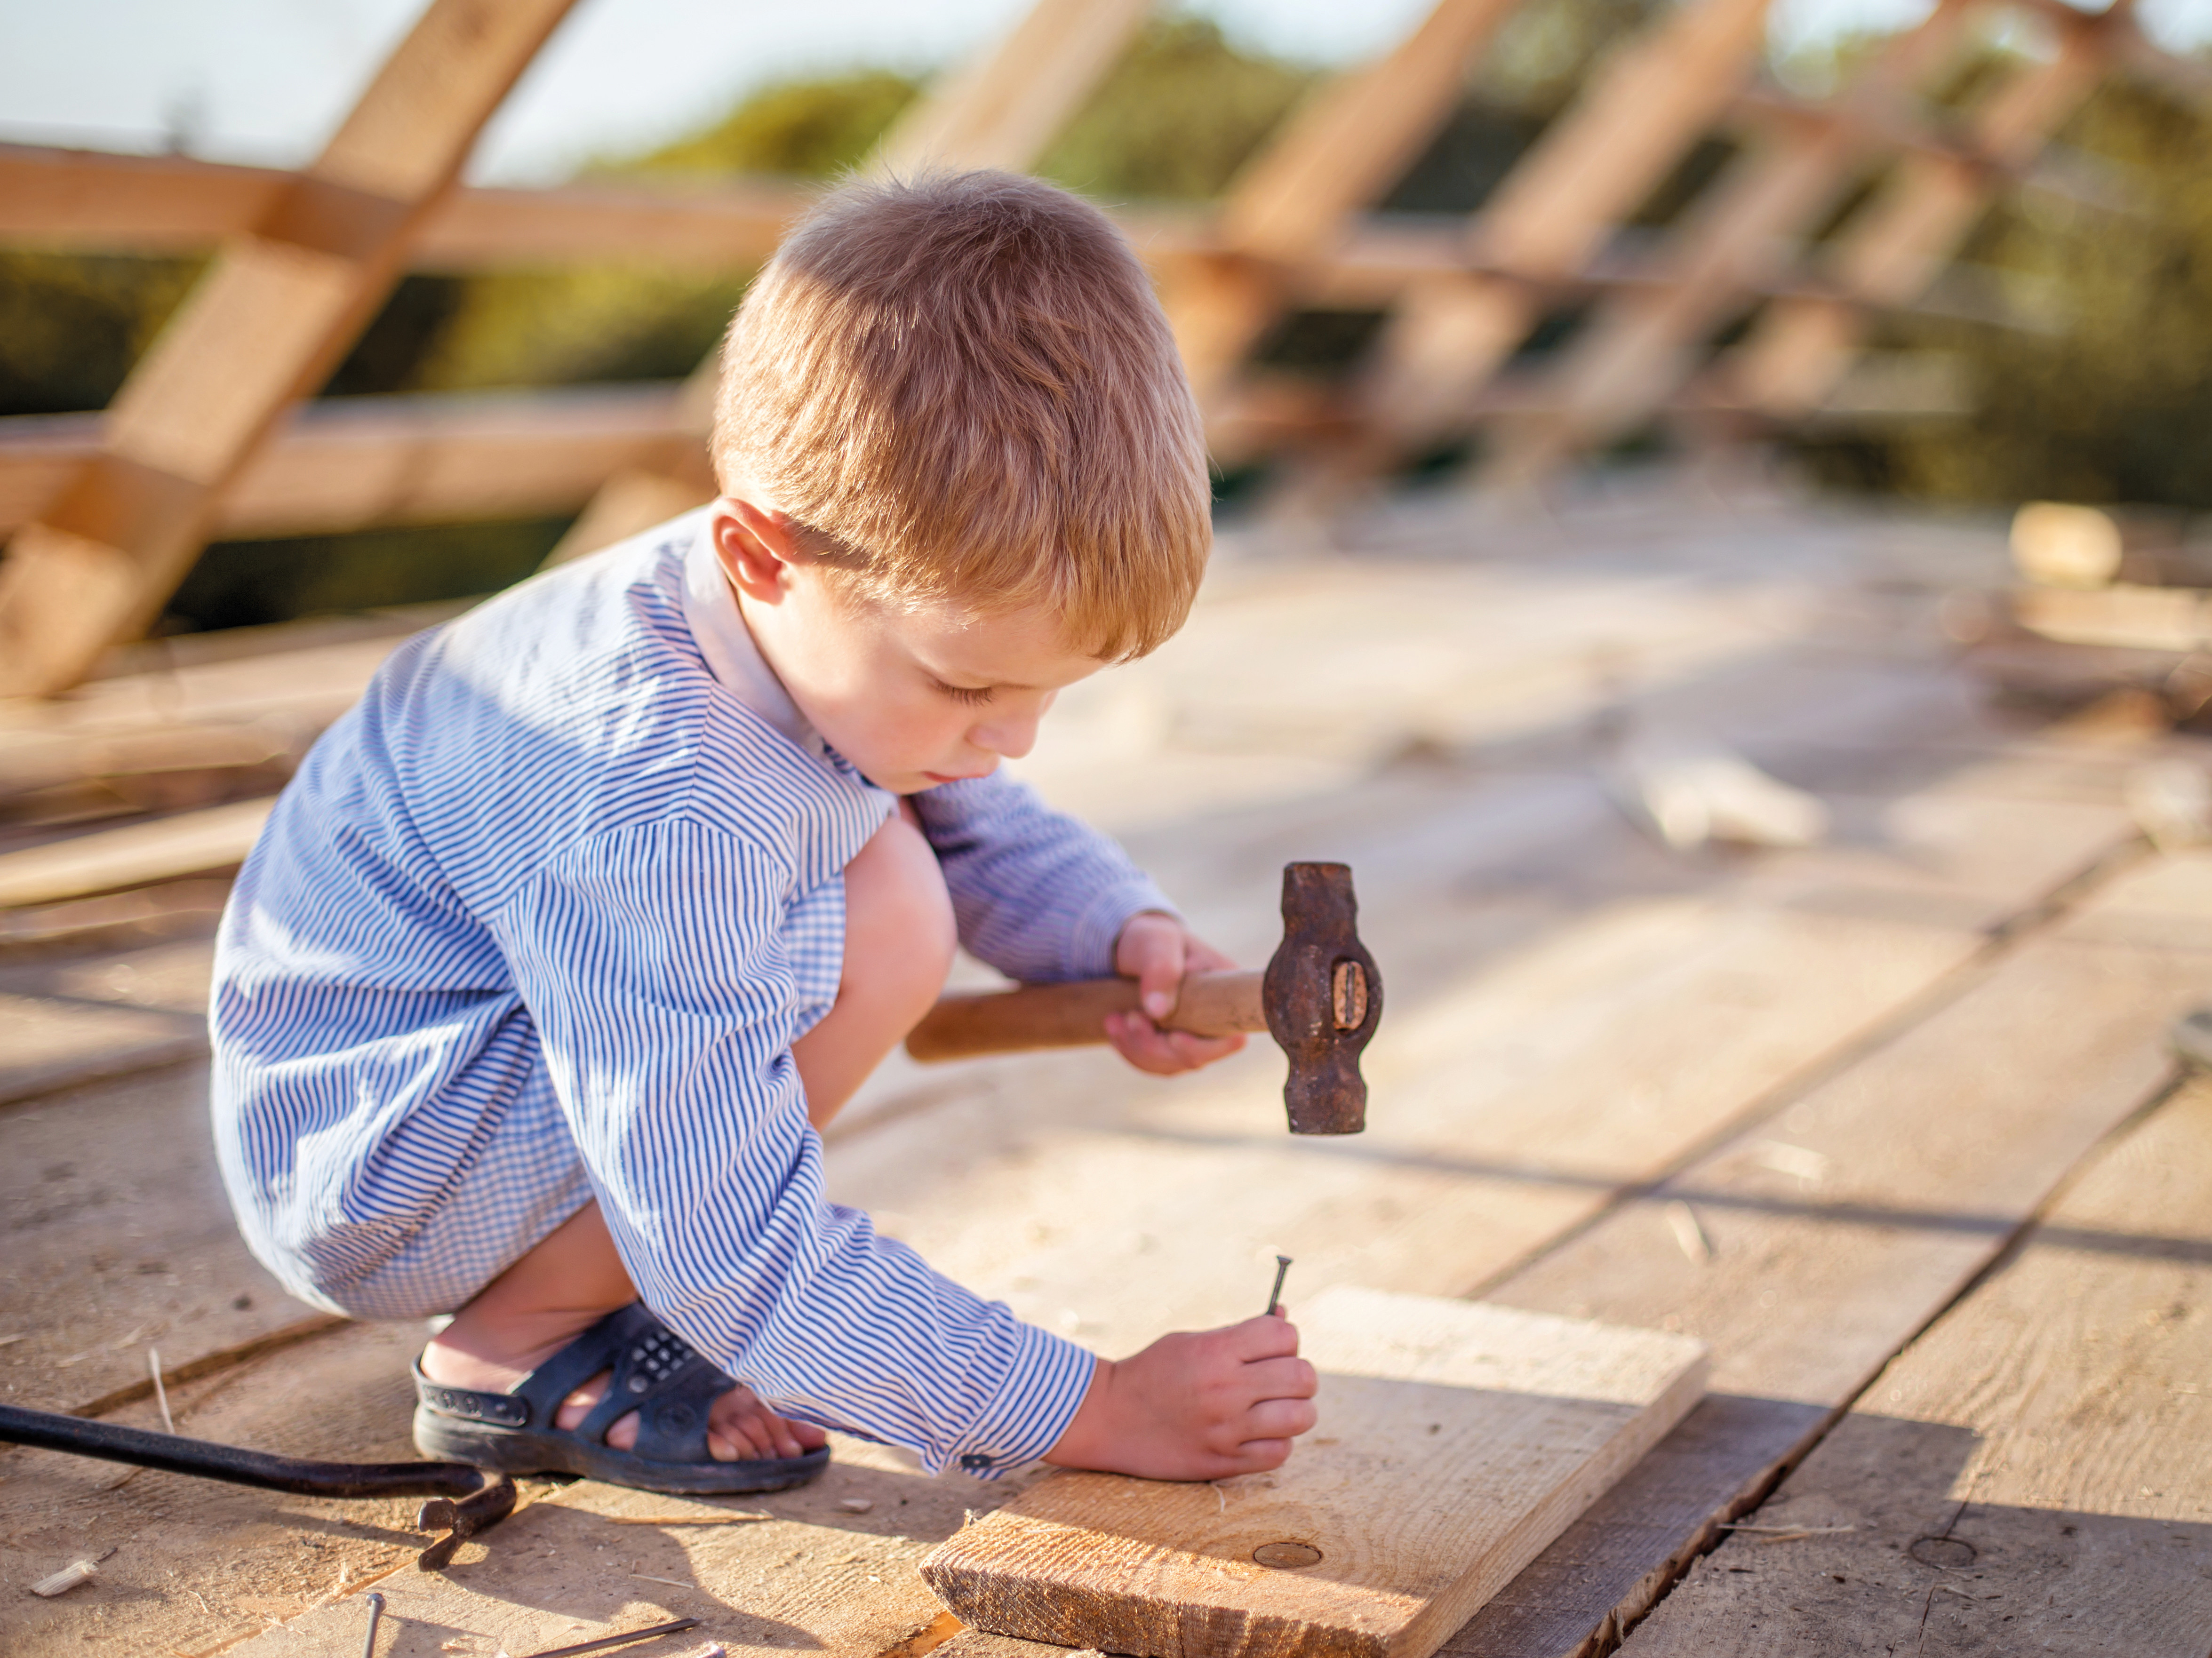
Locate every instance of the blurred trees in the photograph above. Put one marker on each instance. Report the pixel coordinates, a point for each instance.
(2115, 403)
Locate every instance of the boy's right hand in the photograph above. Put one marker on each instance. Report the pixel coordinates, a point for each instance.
(1200, 1406)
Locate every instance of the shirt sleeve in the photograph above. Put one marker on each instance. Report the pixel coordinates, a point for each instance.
(1038, 894)
(652, 961)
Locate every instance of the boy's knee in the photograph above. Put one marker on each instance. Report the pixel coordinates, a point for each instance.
(899, 930)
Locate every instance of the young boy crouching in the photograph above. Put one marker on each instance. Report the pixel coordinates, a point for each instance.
(568, 939)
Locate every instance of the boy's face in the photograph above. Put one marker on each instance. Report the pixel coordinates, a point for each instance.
(912, 697)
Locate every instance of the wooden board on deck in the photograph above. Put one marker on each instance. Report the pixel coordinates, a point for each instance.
(2033, 1474)
(1456, 1441)
(1925, 1157)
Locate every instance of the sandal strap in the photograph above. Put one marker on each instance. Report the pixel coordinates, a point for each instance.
(656, 1373)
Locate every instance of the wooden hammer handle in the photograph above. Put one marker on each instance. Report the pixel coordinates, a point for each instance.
(1072, 1015)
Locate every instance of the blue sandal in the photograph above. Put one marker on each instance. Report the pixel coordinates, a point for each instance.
(656, 1373)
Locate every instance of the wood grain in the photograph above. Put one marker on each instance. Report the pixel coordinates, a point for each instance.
(2032, 1474)
(190, 843)
(1454, 1441)
(1933, 1151)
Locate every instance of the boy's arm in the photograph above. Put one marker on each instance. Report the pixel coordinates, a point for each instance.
(652, 962)
(1038, 894)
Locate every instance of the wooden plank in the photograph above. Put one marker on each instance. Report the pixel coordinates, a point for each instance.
(1342, 149)
(67, 1022)
(1641, 347)
(2031, 1474)
(828, 1568)
(1631, 123)
(348, 463)
(120, 1239)
(1836, 1232)
(89, 200)
(1453, 1442)
(99, 201)
(1898, 242)
(269, 319)
(190, 843)
(1001, 108)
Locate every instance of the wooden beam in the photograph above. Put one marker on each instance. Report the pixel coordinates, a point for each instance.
(87, 200)
(1641, 347)
(190, 843)
(266, 323)
(1631, 124)
(1343, 148)
(1001, 108)
(1455, 1441)
(357, 463)
(90, 200)
(1900, 241)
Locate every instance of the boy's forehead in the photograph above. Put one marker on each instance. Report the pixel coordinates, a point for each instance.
(1027, 647)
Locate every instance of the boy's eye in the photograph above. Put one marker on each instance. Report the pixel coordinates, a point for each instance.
(968, 694)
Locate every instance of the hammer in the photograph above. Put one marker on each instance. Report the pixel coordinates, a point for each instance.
(1320, 999)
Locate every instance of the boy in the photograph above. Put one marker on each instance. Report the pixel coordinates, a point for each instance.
(526, 998)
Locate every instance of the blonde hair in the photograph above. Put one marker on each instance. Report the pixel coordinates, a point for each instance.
(962, 388)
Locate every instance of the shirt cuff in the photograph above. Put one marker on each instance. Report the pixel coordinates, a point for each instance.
(1090, 941)
(1044, 1387)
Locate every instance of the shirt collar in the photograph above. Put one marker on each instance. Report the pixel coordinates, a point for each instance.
(718, 627)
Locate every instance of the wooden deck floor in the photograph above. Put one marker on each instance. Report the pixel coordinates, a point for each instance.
(1888, 1122)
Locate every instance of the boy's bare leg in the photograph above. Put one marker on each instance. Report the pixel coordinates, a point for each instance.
(898, 945)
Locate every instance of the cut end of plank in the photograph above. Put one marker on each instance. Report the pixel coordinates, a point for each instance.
(1455, 1441)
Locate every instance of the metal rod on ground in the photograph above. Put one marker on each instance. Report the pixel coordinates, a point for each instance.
(617, 1640)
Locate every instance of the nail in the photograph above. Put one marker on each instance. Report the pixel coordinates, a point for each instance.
(1275, 1295)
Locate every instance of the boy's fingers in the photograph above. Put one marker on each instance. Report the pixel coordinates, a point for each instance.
(1258, 1455)
(1159, 972)
(1199, 956)
(1280, 1378)
(1204, 1050)
(1280, 1418)
(1267, 1336)
(1144, 1045)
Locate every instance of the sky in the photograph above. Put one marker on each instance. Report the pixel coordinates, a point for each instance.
(266, 81)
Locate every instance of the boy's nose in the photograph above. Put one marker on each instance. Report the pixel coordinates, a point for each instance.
(1008, 739)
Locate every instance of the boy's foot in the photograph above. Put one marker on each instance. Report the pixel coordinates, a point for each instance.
(740, 1428)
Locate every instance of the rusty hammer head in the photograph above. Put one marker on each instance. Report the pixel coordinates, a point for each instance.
(1322, 998)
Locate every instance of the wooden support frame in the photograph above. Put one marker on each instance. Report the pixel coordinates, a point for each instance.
(307, 257)
(1003, 107)
(1634, 354)
(1899, 244)
(1639, 113)
(1339, 152)
(268, 321)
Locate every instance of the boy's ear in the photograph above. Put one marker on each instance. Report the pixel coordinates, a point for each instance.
(755, 546)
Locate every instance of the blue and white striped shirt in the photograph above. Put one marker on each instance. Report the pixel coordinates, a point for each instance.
(554, 871)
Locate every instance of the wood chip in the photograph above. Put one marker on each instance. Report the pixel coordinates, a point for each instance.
(1682, 1221)
(684, 1519)
(855, 1505)
(77, 1571)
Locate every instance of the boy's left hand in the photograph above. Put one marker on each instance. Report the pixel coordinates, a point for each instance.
(1157, 950)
